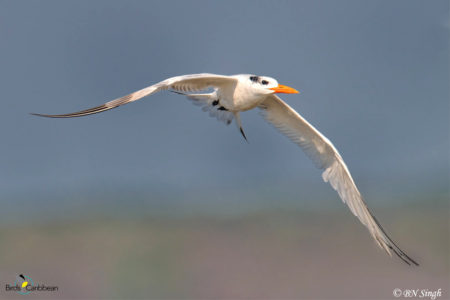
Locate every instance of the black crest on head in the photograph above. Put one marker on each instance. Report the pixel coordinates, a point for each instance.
(254, 78)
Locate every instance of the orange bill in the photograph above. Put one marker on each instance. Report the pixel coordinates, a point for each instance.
(284, 89)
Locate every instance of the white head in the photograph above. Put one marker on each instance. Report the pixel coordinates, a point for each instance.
(266, 85)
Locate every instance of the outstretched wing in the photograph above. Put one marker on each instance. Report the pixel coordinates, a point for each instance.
(327, 158)
(184, 83)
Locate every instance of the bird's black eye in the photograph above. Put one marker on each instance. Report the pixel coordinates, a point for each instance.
(254, 78)
(265, 82)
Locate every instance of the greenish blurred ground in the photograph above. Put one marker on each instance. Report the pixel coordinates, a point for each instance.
(266, 254)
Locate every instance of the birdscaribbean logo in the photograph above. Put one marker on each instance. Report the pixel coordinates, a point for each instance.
(24, 285)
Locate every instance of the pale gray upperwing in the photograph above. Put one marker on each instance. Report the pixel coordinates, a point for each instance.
(327, 158)
(184, 83)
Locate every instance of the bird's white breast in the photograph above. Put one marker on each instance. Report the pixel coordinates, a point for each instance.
(241, 97)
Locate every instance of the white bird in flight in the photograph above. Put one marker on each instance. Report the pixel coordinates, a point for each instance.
(233, 94)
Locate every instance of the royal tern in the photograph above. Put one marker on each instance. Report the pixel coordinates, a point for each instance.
(234, 94)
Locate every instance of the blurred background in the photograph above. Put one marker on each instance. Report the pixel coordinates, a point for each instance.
(158, 200)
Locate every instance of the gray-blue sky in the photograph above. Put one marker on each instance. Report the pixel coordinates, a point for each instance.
(373, 77)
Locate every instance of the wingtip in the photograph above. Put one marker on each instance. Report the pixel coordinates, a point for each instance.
(405, 258)
(36, 114)
(391, 246)
(43, 115)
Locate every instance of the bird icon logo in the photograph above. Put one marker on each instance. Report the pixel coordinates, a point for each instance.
(23, 281)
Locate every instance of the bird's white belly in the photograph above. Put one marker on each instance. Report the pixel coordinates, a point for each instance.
(240, 99)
